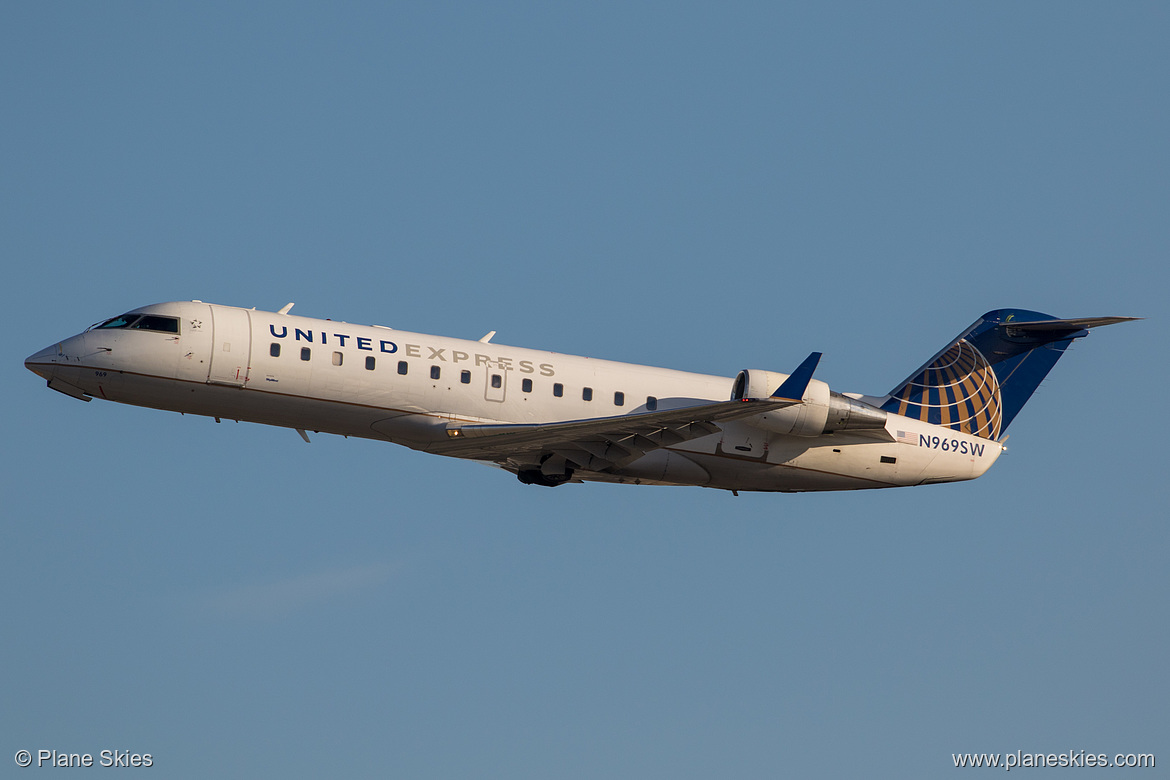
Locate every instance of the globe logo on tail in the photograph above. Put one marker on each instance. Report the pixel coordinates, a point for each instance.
(958, 390)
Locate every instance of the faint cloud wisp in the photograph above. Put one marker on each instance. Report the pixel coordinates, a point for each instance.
(278, 598)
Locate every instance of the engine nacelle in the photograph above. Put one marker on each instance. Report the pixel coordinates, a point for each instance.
(823, 410)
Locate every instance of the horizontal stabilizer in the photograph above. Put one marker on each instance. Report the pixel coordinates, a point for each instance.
(1065, 326)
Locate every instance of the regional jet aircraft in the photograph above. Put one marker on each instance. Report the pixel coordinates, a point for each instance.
(550, 418)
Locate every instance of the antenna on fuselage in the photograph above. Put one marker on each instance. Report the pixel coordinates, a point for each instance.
(284, 310)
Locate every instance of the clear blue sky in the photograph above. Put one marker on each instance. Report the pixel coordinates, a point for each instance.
(705, 187)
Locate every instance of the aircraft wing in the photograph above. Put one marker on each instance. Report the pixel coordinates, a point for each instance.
(600, 442)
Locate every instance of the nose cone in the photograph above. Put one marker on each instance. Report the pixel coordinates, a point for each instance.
(44, 362)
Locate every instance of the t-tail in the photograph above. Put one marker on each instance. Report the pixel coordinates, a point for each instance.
(979, 382)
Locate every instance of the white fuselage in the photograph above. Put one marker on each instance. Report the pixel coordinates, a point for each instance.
(408, 388)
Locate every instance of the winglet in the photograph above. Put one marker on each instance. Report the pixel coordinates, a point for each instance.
(795, 385)
(285, 309)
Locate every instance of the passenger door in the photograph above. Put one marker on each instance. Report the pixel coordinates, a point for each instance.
(195, 343)
(231, 346)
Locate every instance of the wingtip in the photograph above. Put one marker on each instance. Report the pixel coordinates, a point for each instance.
(794, 386)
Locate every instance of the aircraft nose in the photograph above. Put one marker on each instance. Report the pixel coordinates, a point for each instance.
(43, 363)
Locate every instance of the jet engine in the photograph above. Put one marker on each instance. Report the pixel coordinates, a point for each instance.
(823, 411)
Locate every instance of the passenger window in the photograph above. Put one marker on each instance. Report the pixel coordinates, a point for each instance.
(619, 399)
(465, 377)
(558, 389)
(274, 350)
(435, 372)
(526, 385)
(651, 403)
(497, 381)
(402, 367)
(587, 394)
(337, 358)
(369, 363)
(306, 353)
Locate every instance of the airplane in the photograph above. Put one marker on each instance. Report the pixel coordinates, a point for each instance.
(551, 418)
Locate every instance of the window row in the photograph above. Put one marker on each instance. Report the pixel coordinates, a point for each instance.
(497, 380)
(619, 398)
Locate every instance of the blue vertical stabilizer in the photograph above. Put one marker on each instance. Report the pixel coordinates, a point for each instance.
(981, 380)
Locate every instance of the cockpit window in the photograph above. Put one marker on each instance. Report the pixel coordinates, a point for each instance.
(142, 322)
(124, 321)
(160, 324)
